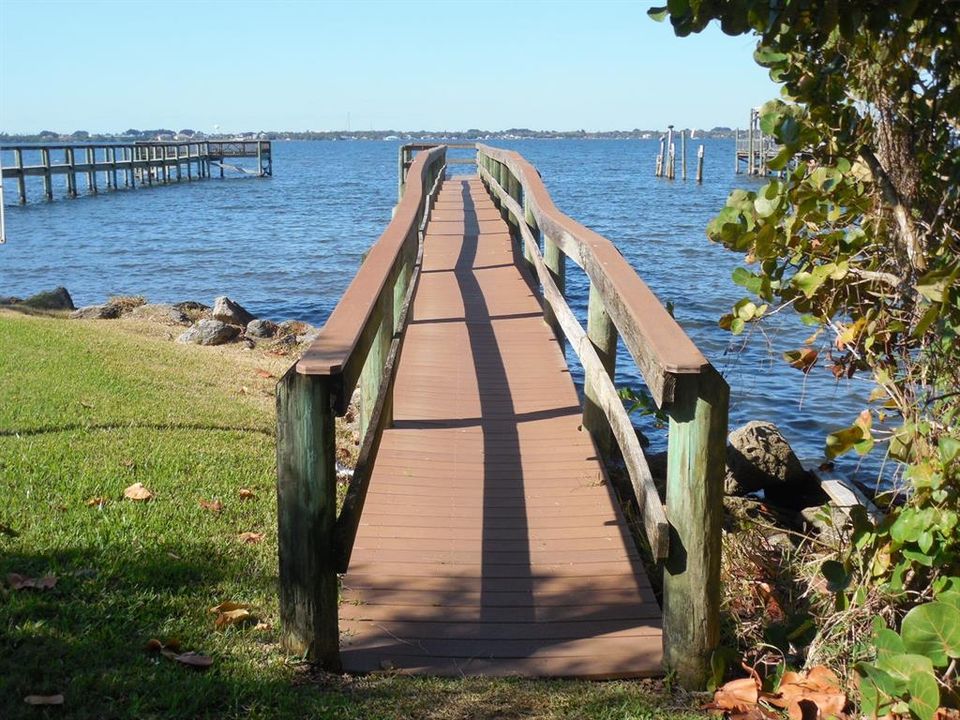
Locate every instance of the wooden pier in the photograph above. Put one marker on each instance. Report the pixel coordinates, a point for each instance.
(754, 148)
(108, 166)
(480, 533)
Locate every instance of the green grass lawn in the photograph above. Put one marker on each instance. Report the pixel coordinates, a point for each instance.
(87, 408)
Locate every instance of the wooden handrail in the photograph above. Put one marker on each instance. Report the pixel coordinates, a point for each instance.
(344, 342)
(362, 338)
(659, 346)
(686, 533)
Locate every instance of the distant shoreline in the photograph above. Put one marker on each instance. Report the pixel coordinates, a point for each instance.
(472, 135)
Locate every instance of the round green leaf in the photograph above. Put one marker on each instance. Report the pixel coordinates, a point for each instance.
(933, 630)
(924, 695)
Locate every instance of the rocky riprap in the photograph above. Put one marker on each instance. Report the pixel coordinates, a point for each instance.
(227, 321)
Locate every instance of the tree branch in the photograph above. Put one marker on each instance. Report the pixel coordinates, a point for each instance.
(908, 233)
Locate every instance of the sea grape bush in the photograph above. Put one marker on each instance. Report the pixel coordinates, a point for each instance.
(860, 234)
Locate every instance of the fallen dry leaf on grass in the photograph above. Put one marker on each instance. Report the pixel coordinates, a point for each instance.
(263, 626)
(213, 506)
(233, 617)
(97, 502)
(194, 660)
(138, 493)
(22, 582)
(43, 699)
(246, 494)
(232, 613)
(8, 531)
(250, 538)
(265, 374)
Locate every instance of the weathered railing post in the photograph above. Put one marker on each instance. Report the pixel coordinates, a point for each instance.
(603, 335)
(306, 514)
(696, 461)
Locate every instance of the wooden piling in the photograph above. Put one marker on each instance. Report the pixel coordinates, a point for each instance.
(91, 159)
(700, 164)
(47, 177)
(113, 170)
(661, 156)
(603, 336)
(696, 459)
(672, 163)
(306, 516)
(683, 153)
(70, 160)
(21, 180)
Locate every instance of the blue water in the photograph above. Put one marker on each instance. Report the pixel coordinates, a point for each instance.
(287, 246)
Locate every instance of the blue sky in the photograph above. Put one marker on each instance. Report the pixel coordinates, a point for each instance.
(109, 66)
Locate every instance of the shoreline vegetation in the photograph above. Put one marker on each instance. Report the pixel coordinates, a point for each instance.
(471, 135)
(126, 403)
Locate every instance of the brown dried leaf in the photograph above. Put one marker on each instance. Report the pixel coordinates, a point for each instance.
(247, 494)
(213, 506)
(17, 581)
(233, 617)
(97, 502)
(138, 493)
(250, 538)
(738, 696)
(265, 374)
(8, 531)
(153, 645)
(262, 625)
(194, 660)
(43, 699)
(809, 695)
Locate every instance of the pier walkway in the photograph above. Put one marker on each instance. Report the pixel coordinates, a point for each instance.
(491, 540)
(480, 533)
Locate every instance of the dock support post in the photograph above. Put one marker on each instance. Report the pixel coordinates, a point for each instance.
(603, 334)
(179, 174)
(306, 515)
(113, 170)
(696, 461)
(70, 159)
(672, 162)
(683, 153)
(47, 177)
(259, 159)
(107, 177)
(166, 164)
(700, 164)
(750, 146)
(21, 180)
(91, 172)
(662, 157)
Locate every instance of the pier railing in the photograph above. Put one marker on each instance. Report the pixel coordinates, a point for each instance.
(685, 534)
(358, 346)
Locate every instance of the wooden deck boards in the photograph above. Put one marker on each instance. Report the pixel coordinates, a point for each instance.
(490, 541)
